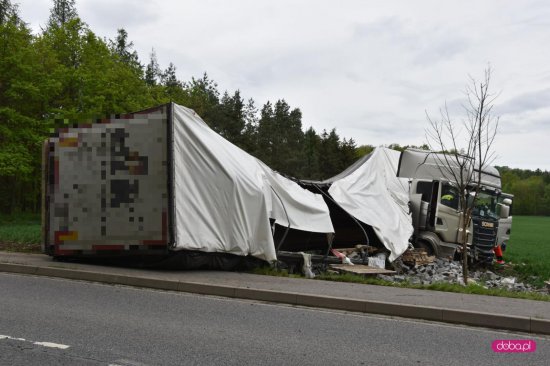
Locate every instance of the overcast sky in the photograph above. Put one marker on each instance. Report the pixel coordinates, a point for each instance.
(371, 69)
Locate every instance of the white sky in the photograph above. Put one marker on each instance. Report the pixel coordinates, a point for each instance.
(369, 68)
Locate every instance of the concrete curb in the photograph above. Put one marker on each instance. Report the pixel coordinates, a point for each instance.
(480, 319)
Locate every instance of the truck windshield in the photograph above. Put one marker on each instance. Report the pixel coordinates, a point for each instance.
(485, 205)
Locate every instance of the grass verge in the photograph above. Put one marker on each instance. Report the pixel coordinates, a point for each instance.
(352, 278)
(20, 233)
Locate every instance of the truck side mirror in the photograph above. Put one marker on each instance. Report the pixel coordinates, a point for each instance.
(504, 211)
(507, 201)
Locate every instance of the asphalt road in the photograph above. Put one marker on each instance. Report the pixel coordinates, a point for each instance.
(47, 321)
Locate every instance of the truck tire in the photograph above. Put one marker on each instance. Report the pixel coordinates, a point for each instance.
(427, 246)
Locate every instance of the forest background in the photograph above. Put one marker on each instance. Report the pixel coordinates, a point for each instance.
(68, 74)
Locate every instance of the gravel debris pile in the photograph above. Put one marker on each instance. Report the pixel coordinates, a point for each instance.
(445, 271)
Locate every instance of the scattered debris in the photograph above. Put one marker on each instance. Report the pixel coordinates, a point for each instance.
(343, 257)
(360, 269)
(358, 251)
(306, 268)
(445, 271)
(437, 270)
(378, 261)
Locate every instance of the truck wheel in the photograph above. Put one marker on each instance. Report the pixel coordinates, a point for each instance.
(423, 244)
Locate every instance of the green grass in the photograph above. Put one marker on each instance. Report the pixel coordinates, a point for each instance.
(270, 271)
(470, 289)
(20, 233)
(529, 248)
(353, 278)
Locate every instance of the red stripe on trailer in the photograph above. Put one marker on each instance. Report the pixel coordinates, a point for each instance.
(60, 237)
(56, 239)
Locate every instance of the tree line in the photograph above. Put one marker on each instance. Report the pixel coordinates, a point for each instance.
(66, 73)
(531, 190)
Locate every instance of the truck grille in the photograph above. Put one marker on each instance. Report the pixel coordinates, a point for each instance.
(484, 238)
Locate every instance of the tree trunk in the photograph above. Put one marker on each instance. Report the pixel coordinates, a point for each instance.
(464, 238)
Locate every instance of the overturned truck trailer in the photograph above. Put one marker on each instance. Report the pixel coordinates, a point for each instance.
(368, 204)
(161, 181)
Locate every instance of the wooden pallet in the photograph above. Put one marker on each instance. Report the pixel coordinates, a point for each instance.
(416, 257)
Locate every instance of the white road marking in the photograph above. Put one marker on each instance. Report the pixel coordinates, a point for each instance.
(51, 345)
(43, 344)
(12, 338)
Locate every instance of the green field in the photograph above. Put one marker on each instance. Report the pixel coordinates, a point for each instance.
(529, 247)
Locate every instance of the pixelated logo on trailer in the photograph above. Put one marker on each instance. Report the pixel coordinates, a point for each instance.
(108, 183)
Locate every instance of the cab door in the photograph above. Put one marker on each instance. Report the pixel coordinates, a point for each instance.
(448, 213)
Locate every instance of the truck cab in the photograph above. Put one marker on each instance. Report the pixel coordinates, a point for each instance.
(437, 212)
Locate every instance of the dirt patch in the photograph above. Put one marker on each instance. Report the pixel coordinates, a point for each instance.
(19, 247)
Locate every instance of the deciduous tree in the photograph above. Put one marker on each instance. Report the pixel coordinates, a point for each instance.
(467, 147)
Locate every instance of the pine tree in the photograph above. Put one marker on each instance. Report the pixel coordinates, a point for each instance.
(329, 157)
(230, 119)
(311, 168)
(173, 88)
(62, 12)
(265, 150)
(280, 137)
(250, 132)
(123, 50)
(169, 78)
(152, 70)
(202, 96)
(347, 153)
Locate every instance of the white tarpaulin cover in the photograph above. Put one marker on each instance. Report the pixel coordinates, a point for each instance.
(224, 197)
(373, 194)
